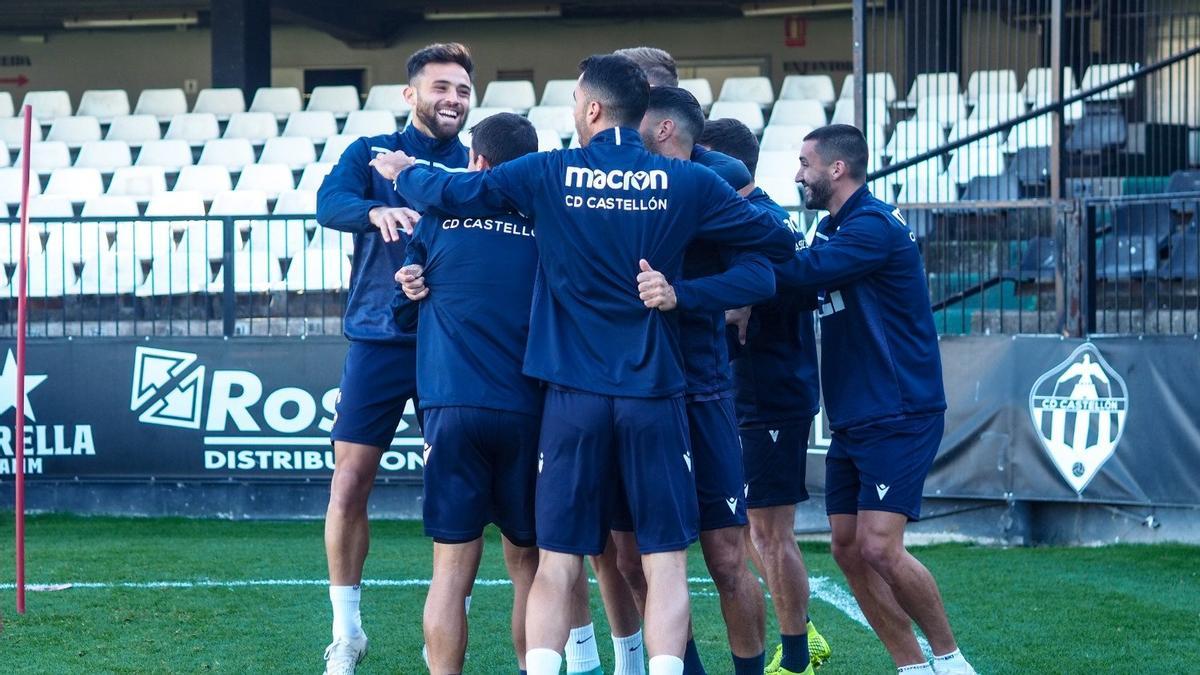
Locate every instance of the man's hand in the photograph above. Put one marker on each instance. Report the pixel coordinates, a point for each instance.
(412, 281)
(390, 164)
(654, 290)
(739, 317)
(391, 220)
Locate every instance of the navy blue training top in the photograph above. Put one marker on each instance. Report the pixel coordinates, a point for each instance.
(775, 372)
(346, 195)
(598, 210)
(475, 321)
(879, 346)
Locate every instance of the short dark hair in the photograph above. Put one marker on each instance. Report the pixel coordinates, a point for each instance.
(680, 106)
(441, 52)
(620, 86)
(733, 138)
(503, 137)
(842, 142)
(658, 65)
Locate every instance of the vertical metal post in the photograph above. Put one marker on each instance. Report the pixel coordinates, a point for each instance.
(1057, 129)
(228, 299)
(1069, 293)
(859, 39)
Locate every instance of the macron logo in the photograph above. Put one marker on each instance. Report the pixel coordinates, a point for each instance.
(598, 179)
(882, 490)
(732, 504)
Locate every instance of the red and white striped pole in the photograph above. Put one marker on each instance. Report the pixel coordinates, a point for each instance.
(22, 309)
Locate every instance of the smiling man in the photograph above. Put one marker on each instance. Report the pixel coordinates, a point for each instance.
(379, 376)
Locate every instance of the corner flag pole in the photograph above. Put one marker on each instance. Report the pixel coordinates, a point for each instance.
(22, 310)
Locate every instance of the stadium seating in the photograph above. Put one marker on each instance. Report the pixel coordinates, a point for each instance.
(314, 174)
(184, 200)
(1034, 133)
(206, 181)
(296, 153)
(911, 138)
(318, 269)
(133, 129)
(389, 98)
(806, 112)
(74, 131)
(280, 101)
(1103, 73)
(975, 125)
(1072, 112)
(6, 106)
(777, 137)
(334, 147)
(781, 189)
(369, 123)
(49, 205)
(699, 87)
(48, 105)
(12, 131)
(270, 179)
(253, 272)
(817, 88)
(339, 100)
(76, 184)
(1183, 256)
(1004, 187)
(945, 110)
(746, 112)
(281, 239)
(106, 156)
(222, 102)
(103, 104)
(144, 240)
(176, 275)
(561, 92)
(999, 107)
(477, 115)
(316, 125)
(110, 273)
(296, 202)
(195, 128)
(5, 158)
(140, 182)
(231, 153)
(977, 159)
(926, 85)
(75, 242)
(991, 83)
(110, 206)
(161, 103)
(1031, 166)
(925, 183)
(1097, 132)
(517, 95)
(46, 156)
(843, 111)
(1122, 256)
(1039, 84)
(558, 118)
(255, 127)
(548, 139)
(171, 155)
(777, 163)
(10, 185)
(879, 86)
(752, 89)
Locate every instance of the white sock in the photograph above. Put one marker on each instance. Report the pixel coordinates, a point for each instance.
(582, 654)
(347, 622)
(630, 655)
(664, 664)
(915, 669)
(954, 660)
(542, 662)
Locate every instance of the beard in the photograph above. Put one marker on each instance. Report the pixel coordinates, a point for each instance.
(442, 128)
(816, 197)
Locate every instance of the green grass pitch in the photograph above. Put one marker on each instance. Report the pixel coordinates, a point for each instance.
(1037, 610)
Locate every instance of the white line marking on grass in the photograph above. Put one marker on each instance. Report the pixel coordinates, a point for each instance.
(830, 592)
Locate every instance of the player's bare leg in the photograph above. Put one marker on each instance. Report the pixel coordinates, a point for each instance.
(347, 534)
(771, 530)
(623, 546)
(546, 625)
(874, 597)
(582, 652)
(880, 536)
(521, 562)
(622, 606)
(741, 596)
(445, 620)
(667, 604)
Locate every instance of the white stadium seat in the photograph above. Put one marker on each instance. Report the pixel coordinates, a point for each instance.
(559, 92)
(1039, 84)
(281, 239)
(171, 155)
(48, 278)
(698, 86)
(477, 115)
(778, 137)
(223, 102)
(5, 158)
(110, 206)
(268, 178)
(316, 269)
(880, 86)
(75, 184)
(972, 126)
(911, 138)
(46, 156)
(74, 131)
(746, 112)
(195, 128)
(296, 153)
(110, 274)
(369, 123)
(134, 129)
(48, 105)
(163, 104)
(781, 189)
(10, 185)
(999, 107)
(843, 111)
(1034, 133)
(946, 110)
(777, 164)
(176, 275)
(280, 101)
(932, 84)
(315, 124)
(977, 159)
(255, 127)
(991, 83)
(231, 153)
(817, 88)
(339, 100)
(389, 98)
(296, 202)
(574, 141)
(925, 183)
(753, 89)
(518, 95)
(204, 240)
(1102, 73)
(798, 112)
(107, 156)
(1072, 112)
(314, 174)
(253, 272)
(141, 182)
(239, 203)
(12, 131)
(144, 240)
(177, 203)
(876, 138)
(207, 181)
(104, 104)
(49, 205)
(335, 146)
(558, 118)
(7, 109)
(548, 139)
(76, 242)
(332, 240)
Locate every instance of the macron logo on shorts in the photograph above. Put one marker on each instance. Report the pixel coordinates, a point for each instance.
(774, 435)
(687, 459)
(425, 458)
(540, 461)
(732, 504)
(882, 490)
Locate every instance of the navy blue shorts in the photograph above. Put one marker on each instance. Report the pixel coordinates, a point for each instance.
(480, 468)
(776, 461)
(882, 466)
(717, 463)
(592, 444)
(377, 381)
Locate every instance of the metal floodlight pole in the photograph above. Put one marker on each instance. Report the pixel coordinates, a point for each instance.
(22, 311)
